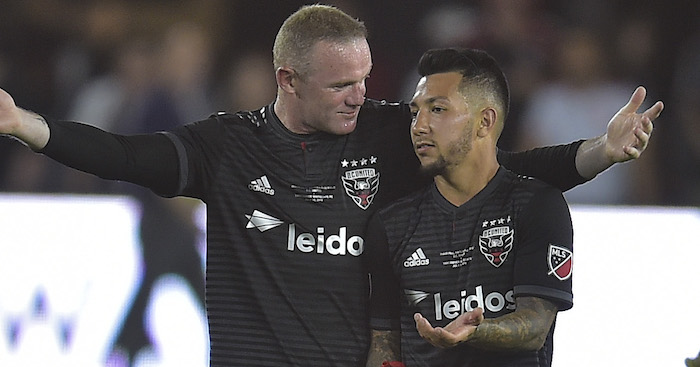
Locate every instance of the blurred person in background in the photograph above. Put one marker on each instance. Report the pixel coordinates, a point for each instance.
(248, 83)
(158, 81)
(129, 78)
(521, 34)
(682, 186)
(569, 105)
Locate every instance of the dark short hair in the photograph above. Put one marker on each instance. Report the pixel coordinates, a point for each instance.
(477, 67)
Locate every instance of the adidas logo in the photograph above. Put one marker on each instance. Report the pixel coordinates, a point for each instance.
(261, 185)
(418, 258)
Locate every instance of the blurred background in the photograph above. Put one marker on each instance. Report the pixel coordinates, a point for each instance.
(139, 66)
(134, 66)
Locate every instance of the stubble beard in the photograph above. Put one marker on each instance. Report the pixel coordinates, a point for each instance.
(457, 152)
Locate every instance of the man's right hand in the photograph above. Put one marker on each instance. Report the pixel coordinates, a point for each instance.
(24, 125)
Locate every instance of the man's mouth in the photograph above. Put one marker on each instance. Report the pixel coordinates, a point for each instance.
(349, 114)
(422, 146)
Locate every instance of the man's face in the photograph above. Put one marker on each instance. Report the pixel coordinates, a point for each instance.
(333, 90)
(443, 123)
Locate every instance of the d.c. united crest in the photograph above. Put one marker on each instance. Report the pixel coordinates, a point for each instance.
(361, 185)
(495, 244)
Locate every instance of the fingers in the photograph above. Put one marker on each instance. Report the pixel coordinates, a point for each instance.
(647, 126)
(654, 111)
(478, 315)
(473, 317)
(435, 336)
(635, 101)
(631, 152)
(426, 330)
(456, 332)
(642, 135)
(422, 324)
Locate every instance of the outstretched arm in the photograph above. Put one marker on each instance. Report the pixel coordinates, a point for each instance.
(149, 160)
(569, 165)
(626, 138)
(524, 329)
(26, 126)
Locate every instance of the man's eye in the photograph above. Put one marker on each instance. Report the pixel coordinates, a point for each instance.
(437, 109)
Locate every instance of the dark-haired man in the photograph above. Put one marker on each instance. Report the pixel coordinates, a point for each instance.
(472, 270)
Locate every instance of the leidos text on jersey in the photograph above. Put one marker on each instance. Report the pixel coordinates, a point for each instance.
(335, 244)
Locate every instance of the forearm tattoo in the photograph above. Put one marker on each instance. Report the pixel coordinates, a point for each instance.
(385, 346)
(524, 329)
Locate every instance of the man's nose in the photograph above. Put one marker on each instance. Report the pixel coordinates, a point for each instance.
(420, 123)
(357, 95)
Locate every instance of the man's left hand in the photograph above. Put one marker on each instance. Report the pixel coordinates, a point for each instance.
(456, 332)
(628, 131)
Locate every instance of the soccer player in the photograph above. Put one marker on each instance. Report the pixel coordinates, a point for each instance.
(289, 187)
(471, 270)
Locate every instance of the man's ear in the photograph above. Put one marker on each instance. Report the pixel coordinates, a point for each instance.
(488, 122)
(286, 79)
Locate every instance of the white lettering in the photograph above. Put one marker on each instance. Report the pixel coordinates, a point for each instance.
(511, 300)
(290, 237)
(321, 239)
(495, 231)
(451, 309)
(415, 262)
(258, 188)
(478, 298)
(498, 304)
(339, 240)
(305, 242)
(356, 245)
(494, 302)
(335, 244)
(360, 173)
(438, 306)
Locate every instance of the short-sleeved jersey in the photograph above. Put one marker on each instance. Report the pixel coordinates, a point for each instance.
(286, 215)
(286, 219)
(514, 238)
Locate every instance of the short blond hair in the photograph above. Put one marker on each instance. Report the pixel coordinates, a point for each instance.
(306, 27)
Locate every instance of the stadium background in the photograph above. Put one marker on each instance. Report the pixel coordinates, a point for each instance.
(140, 66)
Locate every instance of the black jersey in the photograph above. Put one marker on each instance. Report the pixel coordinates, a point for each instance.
(286, 216)
(514, 238)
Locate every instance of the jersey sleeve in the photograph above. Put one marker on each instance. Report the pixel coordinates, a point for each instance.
(148, 160)
(199, 147)
(385, 292)
(555, 165)
(544, 259)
